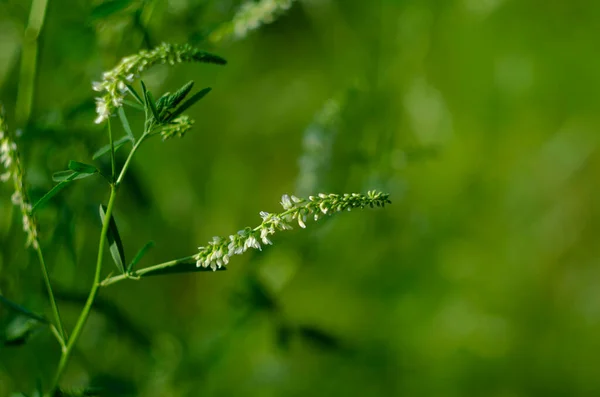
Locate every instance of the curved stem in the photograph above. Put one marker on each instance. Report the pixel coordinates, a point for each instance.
(64, 358)
(29, 56)
(55, 311)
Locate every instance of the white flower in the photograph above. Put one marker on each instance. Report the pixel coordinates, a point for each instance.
(252, 242)
(286, 203)
(323, 207)
(301, 221)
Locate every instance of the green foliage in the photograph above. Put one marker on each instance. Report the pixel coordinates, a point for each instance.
(22, 326)
(106, 148)
(480, 279)
(164, 117)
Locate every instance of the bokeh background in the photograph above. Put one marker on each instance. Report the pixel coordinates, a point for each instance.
(479, 117)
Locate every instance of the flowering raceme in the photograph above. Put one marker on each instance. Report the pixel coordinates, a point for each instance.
(217, 253)
(114, 82)
(9, 158)
(251, 16)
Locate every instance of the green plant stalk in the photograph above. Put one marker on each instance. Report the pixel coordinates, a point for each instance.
(55, 310)
(141, 272)
(64, 358)
(130, 157)
(112, 153)
(29, 57)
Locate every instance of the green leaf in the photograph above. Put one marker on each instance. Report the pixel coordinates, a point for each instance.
(109, 8)
(152, 106)
(134, 93)
(82, 168)
(21, 310)
(125, 123)
(22, 326)
(176, 98)
(61, 176)
(106, 148)
(188, 267)
(193, 99)
(134, 105)
(144, 93)
(140, 255)
(54, 191)
(19, 330)
(160, 103)
(114, 240)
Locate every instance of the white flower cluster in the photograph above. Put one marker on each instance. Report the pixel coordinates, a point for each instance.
(9, 158)
(218, 252)
(114, 82)
(251, 16)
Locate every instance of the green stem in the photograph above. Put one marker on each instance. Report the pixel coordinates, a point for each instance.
(131, 153)
(112, 153)
(29, 55)
(141, 272)
(55, 311)
(64, 359)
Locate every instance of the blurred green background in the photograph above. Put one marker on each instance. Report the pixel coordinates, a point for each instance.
(479, 117)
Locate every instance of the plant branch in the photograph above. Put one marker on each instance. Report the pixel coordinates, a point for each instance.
(55, 311)
(130, 157)
(139, 273)
(90, 300)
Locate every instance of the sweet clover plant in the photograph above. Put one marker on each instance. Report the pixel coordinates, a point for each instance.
(119, 89)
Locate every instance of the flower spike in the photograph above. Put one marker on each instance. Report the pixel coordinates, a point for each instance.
(217, 253)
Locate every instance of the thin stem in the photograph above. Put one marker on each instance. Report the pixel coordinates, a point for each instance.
(112, 152)
(141, 272)
(64, 359)
(55, 310)
(29, 56)
(60, 340)
(128, 161)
